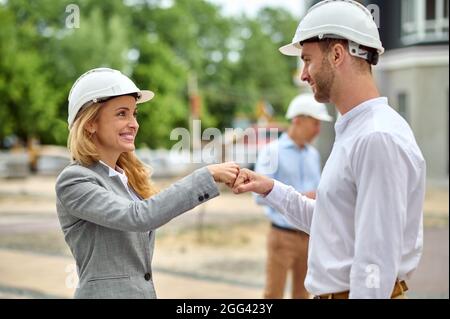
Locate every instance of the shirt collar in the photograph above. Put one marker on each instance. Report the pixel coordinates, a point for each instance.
(286, 141)
(343, 121)
(116, 172)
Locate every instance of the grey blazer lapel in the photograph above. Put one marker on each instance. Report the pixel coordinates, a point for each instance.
(113, 181)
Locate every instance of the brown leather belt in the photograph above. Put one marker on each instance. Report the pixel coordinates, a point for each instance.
(399, 288)
(289, 230)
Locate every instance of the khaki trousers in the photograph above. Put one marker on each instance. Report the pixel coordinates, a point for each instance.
(286, 252)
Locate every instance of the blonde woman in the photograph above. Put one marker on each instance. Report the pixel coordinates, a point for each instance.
(107, 207)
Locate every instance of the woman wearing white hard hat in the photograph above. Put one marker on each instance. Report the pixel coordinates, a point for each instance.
(107, 207)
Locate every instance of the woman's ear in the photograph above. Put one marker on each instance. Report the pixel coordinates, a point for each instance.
(91, 127)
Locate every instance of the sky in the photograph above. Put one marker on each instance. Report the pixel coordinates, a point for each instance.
(250, 7)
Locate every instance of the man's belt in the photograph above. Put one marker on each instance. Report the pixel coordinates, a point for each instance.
(290, 230)
(399, 288)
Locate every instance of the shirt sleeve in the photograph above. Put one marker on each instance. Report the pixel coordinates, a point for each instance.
(381, 173)
(297, 209)
(81, 195)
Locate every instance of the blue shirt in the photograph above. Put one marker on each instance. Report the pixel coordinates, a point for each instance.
(285, 161)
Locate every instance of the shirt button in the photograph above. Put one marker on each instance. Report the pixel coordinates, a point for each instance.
(147, 276)
(206, 196)
(200, 198)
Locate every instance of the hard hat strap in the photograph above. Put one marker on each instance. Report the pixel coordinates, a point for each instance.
(358, 51)
(354, 48)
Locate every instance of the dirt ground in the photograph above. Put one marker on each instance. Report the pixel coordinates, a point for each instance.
(215, 251)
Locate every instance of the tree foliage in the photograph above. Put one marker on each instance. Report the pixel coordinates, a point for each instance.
(236, 61)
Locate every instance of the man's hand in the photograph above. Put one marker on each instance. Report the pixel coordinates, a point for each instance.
(249, 181)
(224, 173)
(311, 195)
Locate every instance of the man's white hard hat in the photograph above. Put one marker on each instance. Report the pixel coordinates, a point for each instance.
(339, 19)
(98, 84)
(306, 104)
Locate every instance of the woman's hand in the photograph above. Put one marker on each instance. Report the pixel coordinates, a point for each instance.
(249, 181)
(224, 173)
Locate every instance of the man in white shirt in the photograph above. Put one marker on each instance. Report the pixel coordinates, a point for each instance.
(365, 225)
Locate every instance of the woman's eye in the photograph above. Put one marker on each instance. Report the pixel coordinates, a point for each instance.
(121, 113)
(135, 114)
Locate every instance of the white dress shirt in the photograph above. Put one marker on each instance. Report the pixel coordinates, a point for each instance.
(366, 223)
(123, 178)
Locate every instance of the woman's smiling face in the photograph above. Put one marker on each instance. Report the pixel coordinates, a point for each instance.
(116, 126)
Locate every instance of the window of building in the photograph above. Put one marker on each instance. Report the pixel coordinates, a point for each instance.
(446, 10)
(430, 10)
(424, 21)
(402, 102)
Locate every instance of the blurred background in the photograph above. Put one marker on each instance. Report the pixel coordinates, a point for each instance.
(216, 61)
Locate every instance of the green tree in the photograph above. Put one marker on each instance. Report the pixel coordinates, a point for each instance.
(236, 61)
(159, 70)
(262, 72)
(27, 103)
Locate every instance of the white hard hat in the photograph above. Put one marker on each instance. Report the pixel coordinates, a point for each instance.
(341, 19)
(306, 104)
(98, 84)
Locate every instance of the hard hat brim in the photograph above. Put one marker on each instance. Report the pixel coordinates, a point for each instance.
(146, 96)
(290, 50)
(323, 118)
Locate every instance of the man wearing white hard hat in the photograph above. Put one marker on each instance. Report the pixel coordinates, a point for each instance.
(106, 204)
(365, 225)
(298, 165)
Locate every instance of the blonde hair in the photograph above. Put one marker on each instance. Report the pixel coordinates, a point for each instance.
(84, 151)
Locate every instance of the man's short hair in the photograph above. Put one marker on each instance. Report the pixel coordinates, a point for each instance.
(326, 44)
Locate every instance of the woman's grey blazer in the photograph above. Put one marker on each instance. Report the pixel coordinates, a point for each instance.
(110, 235)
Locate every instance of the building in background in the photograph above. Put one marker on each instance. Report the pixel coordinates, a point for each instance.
(413, 73)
